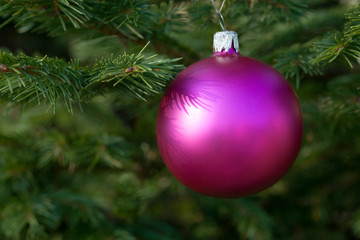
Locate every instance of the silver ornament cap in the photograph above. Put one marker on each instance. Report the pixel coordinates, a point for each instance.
(225, 40)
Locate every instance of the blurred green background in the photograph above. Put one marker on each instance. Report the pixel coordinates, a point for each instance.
(97, 173)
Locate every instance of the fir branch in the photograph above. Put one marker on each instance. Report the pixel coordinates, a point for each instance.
(342, 102)
(59, 16)
(24, 79)
(283, 7)
(141, 75)
(173, 18)
(258, 224)
(296, 63)
(336, 45)
(352, 27)
(130, 19)
(270, 11)
(344, 44)
(54, 17)
(29, 218)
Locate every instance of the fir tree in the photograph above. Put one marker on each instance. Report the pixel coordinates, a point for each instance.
(80, 85)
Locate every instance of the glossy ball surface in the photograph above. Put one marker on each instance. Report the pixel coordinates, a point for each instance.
(229, 126)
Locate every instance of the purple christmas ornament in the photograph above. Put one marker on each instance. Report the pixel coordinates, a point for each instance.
(228, 125)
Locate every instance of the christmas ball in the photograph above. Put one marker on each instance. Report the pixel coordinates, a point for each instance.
(229, 125)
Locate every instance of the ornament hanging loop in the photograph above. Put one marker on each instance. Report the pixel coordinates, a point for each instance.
(221, 17)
